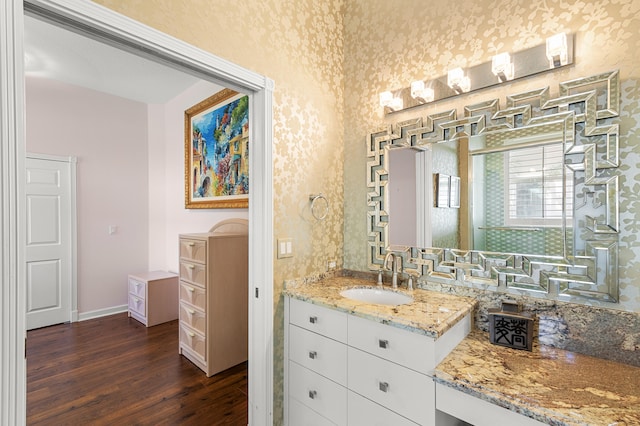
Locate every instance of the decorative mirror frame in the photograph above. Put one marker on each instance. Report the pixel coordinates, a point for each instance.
(590, 136)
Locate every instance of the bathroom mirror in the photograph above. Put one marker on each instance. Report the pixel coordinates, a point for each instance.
(520, 198)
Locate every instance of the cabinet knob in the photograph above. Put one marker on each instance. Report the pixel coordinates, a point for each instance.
(191, 244)
(313, 320)
(313, 354)
(191, 334)
(191, 311)
(384, 344)
(383, 386)
(313, 394)
(191, 289)
(189, 266)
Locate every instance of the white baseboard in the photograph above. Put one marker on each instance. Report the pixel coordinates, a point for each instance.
(102, 312)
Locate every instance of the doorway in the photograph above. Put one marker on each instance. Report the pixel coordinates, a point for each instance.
(98, 23)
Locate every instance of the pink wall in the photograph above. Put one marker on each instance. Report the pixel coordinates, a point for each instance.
(130, 174)
(108, 135)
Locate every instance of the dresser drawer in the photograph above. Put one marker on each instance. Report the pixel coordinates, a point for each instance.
(321, 320)
(193, 340)
(300, 414)
(363, 412)
(137, 305)
(318, 393)
(193, 272)
(320, 354)
(401, 390)
(193, 295)
(193, 250)
(403, 347)
(193, 317)
(137, 288)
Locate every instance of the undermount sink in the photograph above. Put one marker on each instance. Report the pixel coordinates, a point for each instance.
(378, 296)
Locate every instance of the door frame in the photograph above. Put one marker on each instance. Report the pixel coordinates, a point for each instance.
(73, 162)
(112, 28)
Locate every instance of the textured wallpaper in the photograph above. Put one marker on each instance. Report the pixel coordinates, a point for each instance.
(414, 41)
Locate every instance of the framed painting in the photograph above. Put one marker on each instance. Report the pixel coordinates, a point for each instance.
(216, 152)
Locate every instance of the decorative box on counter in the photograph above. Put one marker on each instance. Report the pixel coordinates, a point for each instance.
(510, 327)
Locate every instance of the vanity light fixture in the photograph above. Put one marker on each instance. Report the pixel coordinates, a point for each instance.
(389, 102)
(557, 50)
(458, 81)
(502, 67)
(420, 93)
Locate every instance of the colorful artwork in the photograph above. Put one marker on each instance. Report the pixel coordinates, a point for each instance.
(217, 152)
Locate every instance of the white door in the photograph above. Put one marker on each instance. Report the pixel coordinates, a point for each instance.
(50, 227)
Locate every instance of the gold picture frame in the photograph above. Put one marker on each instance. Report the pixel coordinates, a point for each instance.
(216, 152)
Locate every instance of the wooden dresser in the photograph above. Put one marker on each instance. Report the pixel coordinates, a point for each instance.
(214, 273)
(153, 297)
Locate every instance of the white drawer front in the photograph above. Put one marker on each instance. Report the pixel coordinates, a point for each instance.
(318, 393)
(137, 288)
(193, 272)
(404, 391)
(194, 318)
(328, 322)
(363, 412)
(193, 295)
(302, 415)
(320, 354)
(137, 305)
(192, 339)
(194, 250)
(403, 347)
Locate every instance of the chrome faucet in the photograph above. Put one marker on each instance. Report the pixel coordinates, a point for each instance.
(396, 266)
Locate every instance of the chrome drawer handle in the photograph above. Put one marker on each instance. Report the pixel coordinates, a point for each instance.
(384, 344)
(313, 320)
(313, 354)
(383, 386)
(313, 394)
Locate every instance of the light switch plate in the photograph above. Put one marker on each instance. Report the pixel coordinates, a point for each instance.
(285, 247)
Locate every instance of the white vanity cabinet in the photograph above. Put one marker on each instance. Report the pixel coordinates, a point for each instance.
(341, 369)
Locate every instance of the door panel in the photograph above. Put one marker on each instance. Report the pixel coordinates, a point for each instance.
(49, 224)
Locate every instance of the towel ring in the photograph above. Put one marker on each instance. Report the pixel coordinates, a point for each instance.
(313, 198)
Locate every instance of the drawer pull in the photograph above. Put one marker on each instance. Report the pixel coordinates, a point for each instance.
(384, 344)
(191, 311)
(383, 386)
(313, 320)
(191, 289)
(189, 266)
(191, 244)
(191, 334)
(313, 394)
(313, 354)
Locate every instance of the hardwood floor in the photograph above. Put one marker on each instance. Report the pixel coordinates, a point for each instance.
(113, 370)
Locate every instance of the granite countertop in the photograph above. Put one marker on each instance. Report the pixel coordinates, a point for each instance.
(432, 313)
(550, 385)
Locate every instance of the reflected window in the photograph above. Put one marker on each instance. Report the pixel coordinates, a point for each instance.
(537, 186)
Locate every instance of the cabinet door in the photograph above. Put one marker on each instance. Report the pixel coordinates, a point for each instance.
(318, 393)
(321, 320)
(300, 414)
(320, 354)
(363, 412)
(404, 391)
(403, 347)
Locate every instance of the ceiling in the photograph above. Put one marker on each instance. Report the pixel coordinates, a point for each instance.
(58, 54)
